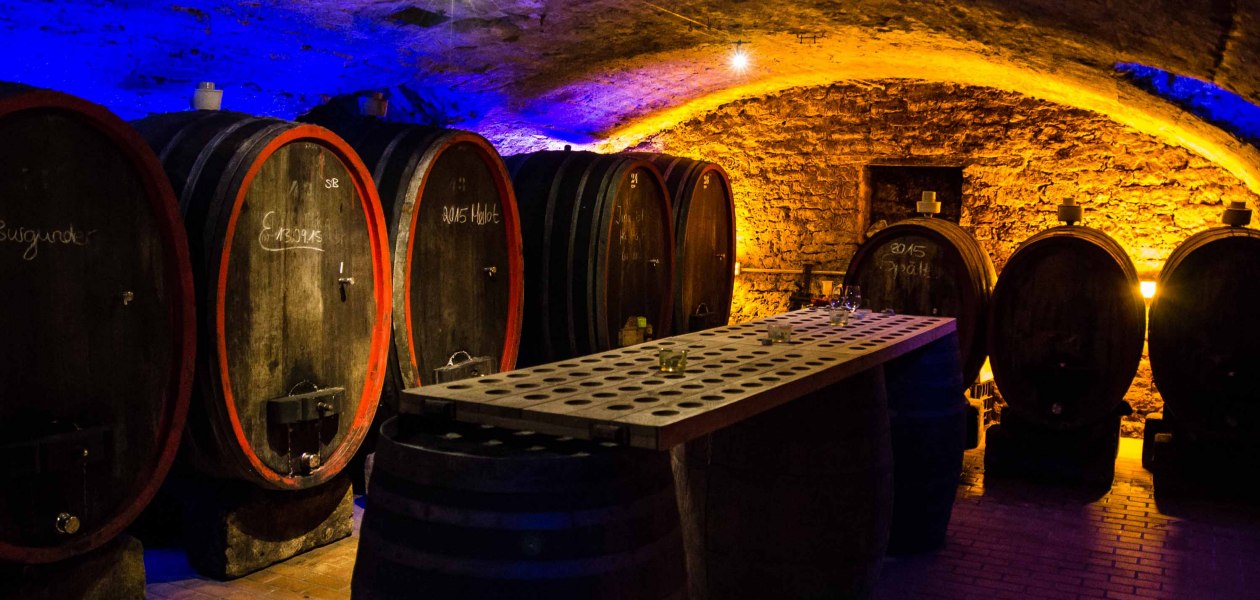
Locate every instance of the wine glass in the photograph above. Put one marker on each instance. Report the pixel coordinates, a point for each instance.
(851, 298)
(835, 297)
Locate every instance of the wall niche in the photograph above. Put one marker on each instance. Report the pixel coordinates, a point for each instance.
(896, 189)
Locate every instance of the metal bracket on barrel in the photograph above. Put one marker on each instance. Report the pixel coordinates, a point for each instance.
(65, 452)
(296, 409)
(60, 455)
(305, 408)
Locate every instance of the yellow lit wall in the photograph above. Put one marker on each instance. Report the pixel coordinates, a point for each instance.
(796, 160)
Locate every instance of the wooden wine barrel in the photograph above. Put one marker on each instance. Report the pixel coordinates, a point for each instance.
(1205, 335)
(704, 240)
(795, 502)
(1066, 327)
(289, 253)
(455, 236)
(928, 420)
(598, 244)
(929, 267)
(98, 319)
(464, 511)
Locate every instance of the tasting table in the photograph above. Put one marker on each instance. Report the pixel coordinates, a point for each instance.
(621, 396)
(782, 453)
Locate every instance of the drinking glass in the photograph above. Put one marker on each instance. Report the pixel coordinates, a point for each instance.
(672, 361)
(836, 298)
(779, 333)
(851, 298)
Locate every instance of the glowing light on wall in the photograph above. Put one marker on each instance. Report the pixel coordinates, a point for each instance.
(1148, 289)
(739, 59)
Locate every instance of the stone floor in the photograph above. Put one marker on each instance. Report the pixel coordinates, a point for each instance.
(1007, 539)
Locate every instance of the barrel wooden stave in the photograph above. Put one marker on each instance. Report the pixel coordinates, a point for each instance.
(1066, 327)
(291, 261)
(1205, 335)
(97, 390)
(704, 240)
(541, 338)
(927, 410)
(598, 243)
(580, 239)
(743, 490)
(527, 516)
(452, 216)
(929, 267)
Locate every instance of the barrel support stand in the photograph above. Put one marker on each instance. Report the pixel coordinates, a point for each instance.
(1019, 448)
(114, 571)
(233, 528)
(1184, 464)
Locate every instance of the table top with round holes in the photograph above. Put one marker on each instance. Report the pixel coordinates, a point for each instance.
(622, 396)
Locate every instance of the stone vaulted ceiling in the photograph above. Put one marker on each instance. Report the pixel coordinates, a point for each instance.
(539, 73)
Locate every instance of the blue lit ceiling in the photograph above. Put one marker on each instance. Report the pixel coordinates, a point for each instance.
(538, 73)
(1210, 102)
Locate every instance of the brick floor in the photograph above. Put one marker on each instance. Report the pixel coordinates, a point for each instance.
(1007, 540)
(1025, 540)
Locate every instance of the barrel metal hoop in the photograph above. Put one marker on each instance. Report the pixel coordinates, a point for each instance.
(523, 569)
(557, 520)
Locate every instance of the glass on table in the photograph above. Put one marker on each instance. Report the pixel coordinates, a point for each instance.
(672, 361)
(779, 333)
(851, 298)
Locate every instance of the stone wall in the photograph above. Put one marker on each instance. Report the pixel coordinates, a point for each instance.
(797, 162)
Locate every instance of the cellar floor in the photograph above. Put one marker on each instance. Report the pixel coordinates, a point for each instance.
(1009, 539)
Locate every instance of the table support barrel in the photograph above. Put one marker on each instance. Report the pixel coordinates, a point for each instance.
(795, 502)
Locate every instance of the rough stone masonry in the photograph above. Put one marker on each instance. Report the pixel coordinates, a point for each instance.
(797, 162)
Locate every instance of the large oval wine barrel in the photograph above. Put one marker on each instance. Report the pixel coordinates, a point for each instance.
(1205, 334)
(704, 240)
(455, 236)
(795, 502)
(598, 246)
(929, 267)
(1066, 327)
(462, 511)
(289, 253)
(98, 319)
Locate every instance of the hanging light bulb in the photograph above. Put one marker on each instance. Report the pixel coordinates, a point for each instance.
(739, 58)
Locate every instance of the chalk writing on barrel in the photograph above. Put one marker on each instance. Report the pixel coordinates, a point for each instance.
(280, 237)
(475, 214)
(30, 238)
(908, 259)
(915, 250)
(913, 268)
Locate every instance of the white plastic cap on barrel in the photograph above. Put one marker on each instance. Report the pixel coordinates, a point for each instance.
(1236, 214)
(928, 205)
(205, 97)
(1069, 212)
